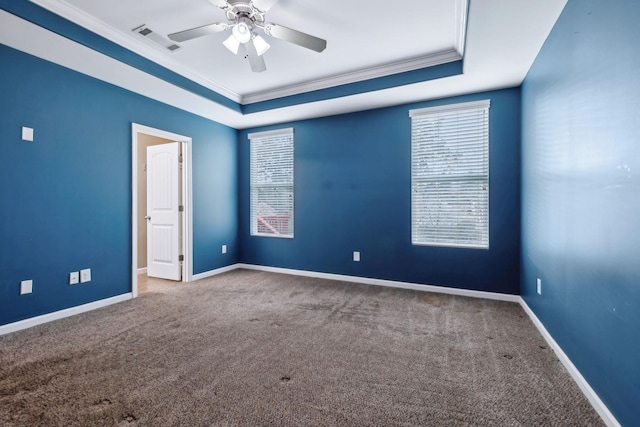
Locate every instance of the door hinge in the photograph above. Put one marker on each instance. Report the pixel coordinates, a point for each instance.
(181, 258)
(181, 208)
(180, 158)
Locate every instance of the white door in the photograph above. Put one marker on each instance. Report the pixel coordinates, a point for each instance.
(163, 213)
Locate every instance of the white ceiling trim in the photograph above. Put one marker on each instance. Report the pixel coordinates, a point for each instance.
(139, 46)
(153, 53)
(431, 60)
(356, 76)
(437, 58)
(499, 50)
(462, 12)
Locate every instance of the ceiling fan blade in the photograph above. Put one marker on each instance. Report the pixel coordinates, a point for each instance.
(219, 3)
(295, 37)
(264, 5)
(183, 36)
(256, 61)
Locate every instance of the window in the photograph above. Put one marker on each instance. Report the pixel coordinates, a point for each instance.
(450, 175)
(272, 183)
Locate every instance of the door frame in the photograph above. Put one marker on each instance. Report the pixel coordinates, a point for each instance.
(187, 217)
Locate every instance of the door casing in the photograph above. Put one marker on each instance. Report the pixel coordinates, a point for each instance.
(187, 217)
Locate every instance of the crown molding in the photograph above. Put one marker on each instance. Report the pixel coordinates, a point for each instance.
(438, 58)
(146, 50)
(77, 16)
(462, 12)
(430, 60)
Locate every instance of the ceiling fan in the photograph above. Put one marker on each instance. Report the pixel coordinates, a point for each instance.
(245, 17)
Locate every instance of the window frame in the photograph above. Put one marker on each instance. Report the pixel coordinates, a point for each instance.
(257, 138)
(418, 237)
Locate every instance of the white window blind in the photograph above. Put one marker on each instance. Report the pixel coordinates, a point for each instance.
(272, 183)
(450, 175)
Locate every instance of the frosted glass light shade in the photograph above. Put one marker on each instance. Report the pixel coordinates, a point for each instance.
(241, 32)
(232, 44)
(261, 45)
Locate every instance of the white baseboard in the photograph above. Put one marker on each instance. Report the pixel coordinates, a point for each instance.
(387, 283)
(45, 318)
(215, 272)
(38, 320)
(589, 393)
(584, 386)
(142, 270)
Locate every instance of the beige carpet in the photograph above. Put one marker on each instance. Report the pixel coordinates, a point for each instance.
(250, 349)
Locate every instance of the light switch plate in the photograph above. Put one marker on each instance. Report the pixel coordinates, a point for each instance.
(26, 287)
(356, 256)
(85, 275)
(74, 277)
(27, 134)
(224, 249)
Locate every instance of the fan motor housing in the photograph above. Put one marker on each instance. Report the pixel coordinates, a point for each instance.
(243, 9)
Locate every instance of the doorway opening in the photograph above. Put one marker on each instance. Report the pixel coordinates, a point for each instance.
(142, 138)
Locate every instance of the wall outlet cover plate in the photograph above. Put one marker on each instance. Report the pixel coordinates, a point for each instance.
(27, 134)
(26, 287)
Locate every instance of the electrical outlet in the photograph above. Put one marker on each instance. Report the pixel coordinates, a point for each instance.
(224, 249)
(74, 277)
(356, 256)
(26, 287)
(539, 286)
(85, 275)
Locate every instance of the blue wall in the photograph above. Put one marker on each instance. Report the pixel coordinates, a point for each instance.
(581, 195)
(65, 202)
(66, 198)
(352, 192)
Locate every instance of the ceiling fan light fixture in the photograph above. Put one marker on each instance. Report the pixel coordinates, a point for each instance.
(244, 18)
(260, 44)
(232, 44)
(242, 32)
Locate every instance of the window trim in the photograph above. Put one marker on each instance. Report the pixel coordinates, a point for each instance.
(272, 134)
(459, 107)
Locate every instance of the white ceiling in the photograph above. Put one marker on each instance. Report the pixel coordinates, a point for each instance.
(358, 38)
(503, 38)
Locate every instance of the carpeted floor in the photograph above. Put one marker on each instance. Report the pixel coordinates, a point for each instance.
(250, 349)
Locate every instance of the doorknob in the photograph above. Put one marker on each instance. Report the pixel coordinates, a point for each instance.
(148, 218)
